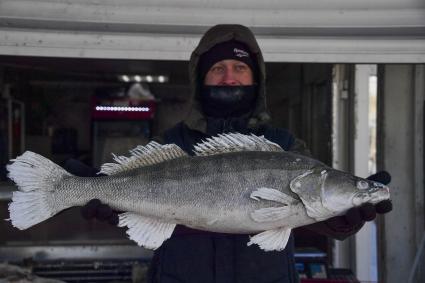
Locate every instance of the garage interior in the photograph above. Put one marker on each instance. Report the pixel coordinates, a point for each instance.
(53, 101)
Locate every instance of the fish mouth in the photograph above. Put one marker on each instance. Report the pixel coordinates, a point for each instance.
(372, 196)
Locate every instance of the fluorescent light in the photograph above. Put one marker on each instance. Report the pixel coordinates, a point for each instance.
(122, 109)
(161, 79)
(140, 78)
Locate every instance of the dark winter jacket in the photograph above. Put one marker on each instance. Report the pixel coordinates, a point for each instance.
(198, 256)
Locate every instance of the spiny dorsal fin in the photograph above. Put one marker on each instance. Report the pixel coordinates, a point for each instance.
(235, 142)
(150, 154)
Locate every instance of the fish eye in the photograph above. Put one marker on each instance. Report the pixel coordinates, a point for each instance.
(378, 185)
(362, 185)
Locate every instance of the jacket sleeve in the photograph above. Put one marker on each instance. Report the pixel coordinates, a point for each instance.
(80, 169)
(299, 146)
(335, 228)
(159, 139)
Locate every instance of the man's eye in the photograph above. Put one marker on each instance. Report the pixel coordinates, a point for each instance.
(240, 68)
(217, 69)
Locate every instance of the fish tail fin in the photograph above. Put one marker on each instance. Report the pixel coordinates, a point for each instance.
(36, 177)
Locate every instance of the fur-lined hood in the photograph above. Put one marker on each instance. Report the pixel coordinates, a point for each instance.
(217, 34)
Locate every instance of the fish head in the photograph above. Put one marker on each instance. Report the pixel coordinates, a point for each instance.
(342, 191)
(328, 192)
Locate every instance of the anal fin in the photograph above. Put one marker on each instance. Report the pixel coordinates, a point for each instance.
(272, 240)
(147, 232)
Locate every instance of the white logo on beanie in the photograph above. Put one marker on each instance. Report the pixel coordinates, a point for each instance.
(240, 53)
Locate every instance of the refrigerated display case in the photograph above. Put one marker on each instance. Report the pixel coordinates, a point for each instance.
(119, 123)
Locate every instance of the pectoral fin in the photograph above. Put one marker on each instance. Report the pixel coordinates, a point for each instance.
(270, 214)
(271, 194)
(147, 232)
(272, 240)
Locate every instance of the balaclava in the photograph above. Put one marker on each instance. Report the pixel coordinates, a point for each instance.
(226, 102)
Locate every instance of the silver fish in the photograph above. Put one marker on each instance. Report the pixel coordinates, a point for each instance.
(235, 184)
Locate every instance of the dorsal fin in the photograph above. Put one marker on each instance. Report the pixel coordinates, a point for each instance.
(235, 142)
(150, 154)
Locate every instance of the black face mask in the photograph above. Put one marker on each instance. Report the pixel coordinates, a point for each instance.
(228, 101)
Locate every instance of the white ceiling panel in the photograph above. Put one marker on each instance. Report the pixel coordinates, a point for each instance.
(327, 30)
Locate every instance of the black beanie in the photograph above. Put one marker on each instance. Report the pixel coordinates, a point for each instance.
(226, 50)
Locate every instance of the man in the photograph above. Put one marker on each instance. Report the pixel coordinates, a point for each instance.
(227, 74)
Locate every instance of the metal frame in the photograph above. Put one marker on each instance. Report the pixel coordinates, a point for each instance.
(50, 251)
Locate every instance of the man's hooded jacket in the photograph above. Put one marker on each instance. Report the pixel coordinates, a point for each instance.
(197, 256)
(197, 126)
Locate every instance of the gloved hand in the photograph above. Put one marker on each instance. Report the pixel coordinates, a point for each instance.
(103, 212)
(340, 227)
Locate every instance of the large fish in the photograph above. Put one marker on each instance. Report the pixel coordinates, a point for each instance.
(235, 184)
